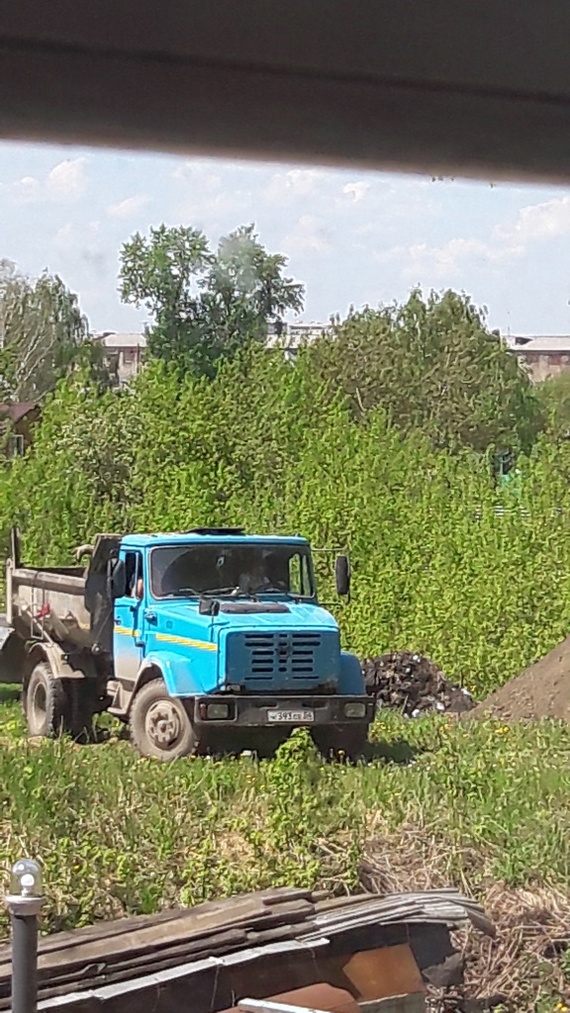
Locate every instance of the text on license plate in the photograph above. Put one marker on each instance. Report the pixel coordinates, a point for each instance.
(290, 717)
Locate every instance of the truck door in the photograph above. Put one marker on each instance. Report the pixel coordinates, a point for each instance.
(128, 643)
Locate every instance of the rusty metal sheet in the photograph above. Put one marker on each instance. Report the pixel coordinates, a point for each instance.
(388, 971)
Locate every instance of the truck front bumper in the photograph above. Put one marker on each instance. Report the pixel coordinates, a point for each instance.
(220, 710)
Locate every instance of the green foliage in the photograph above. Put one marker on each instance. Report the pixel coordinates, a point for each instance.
(436, 568)
(554, 396)
(433, 365)
(206, 305)
(44, 336)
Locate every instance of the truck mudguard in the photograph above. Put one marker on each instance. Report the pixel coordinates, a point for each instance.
(181, 675)
(351, 681)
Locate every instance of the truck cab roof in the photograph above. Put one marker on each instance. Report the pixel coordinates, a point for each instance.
(198, 536)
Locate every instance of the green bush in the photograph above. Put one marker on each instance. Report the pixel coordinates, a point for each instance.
(436, 568)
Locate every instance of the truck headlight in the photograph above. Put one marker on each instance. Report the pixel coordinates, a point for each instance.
(217, 711)
(355, 710)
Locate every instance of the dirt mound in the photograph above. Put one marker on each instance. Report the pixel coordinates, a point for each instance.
(412, 684)
(541, 691)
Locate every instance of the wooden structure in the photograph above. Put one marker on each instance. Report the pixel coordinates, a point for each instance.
(253, 946)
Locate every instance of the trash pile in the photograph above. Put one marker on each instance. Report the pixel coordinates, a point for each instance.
(413, 684)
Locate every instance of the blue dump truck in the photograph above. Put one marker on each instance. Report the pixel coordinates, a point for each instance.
(206, 640)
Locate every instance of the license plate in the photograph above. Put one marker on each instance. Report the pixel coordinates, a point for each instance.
(291, 717)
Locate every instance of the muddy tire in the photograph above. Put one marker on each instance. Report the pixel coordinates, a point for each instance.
(159, 724)
(341, 743)
(46, 704)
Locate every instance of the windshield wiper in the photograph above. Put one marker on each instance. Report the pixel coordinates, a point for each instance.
(236, 591)
(182, 591)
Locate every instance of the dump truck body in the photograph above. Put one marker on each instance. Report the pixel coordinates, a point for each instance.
(211, 638)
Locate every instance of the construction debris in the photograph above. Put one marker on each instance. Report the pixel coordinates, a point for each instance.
(254, 945)
(413, 685)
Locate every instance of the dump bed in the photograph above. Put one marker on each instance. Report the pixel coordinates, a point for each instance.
(64, 602)
(48, 599)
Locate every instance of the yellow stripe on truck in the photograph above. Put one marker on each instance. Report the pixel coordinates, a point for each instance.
(169, 638)
(200, 644)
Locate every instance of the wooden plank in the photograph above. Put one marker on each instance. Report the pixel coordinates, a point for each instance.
(149, 938)
(321, 995)
(55, 987)
(268, 1006)
(258, 901)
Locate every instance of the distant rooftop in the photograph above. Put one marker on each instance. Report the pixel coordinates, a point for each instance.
(525, 343)
(121, 339)
(16, 410)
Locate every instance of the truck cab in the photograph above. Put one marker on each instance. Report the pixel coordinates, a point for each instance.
(219, 641)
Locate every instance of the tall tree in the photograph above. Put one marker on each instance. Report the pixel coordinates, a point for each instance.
(432, 364)
(206, 305)
(43, 335)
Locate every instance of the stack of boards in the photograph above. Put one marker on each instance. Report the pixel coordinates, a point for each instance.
(112, 952)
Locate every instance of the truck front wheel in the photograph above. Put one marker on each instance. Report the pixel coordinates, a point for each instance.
(160, 726)
(46, 705)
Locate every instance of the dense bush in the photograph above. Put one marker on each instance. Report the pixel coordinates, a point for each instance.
(435, 567)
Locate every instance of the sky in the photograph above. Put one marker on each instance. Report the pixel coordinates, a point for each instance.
(351, 236)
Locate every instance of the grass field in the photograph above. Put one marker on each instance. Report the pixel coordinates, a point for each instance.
(482, 807)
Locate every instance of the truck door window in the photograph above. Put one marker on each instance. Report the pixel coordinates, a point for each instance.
(134, 573)
(299, 576)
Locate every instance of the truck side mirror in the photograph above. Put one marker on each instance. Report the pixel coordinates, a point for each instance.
(342, 575)
(117, 579)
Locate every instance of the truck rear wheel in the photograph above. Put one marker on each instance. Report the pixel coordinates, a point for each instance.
(341, 742)
(46, 705)
(160, 726)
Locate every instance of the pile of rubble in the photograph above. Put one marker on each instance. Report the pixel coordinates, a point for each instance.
(413, 684)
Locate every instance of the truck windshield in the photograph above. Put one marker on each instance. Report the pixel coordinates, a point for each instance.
(182, 571)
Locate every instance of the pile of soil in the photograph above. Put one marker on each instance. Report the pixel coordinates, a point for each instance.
(541, 691)
(413, 684)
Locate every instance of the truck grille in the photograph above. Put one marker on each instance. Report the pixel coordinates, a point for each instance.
(282, 660)
(282, 654)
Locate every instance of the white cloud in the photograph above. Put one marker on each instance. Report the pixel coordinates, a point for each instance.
(308, 235)
(27, 190)
(292, 184)
(72, 238)
(357, 190)
(199, 174)
(67, 180)
(128, 207)
(535, 222)
(441, 263)
(208, 212)
(65, 183)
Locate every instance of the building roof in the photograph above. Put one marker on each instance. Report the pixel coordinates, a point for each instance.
(17, 410)
(540, 343)
(121, 339)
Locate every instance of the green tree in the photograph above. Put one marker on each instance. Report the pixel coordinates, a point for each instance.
(432, 364)
(44, 335)
(554, 396)
(206, 305)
